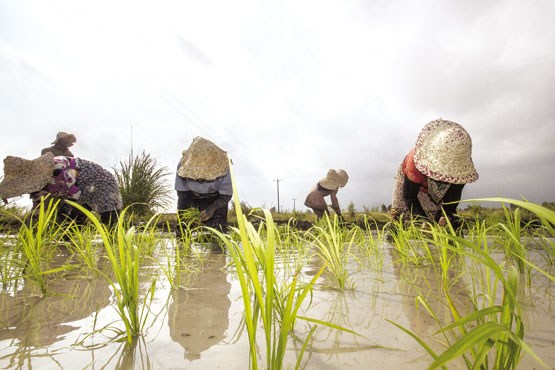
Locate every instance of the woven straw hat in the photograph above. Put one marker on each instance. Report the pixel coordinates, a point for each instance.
(60, 135)
(334, 179)
(24, 176)
(444, 153)
(203, 160)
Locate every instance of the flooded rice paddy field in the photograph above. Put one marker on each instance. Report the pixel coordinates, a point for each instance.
(199, 325)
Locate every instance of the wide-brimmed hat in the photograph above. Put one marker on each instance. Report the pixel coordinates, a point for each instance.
(203, 160)
(334, 179)
(60, 135)
(24, 176)
(443, 152)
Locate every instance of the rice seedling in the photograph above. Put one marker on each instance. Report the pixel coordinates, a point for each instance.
(11, 268)
(545, 215)
(548, 246)
(275, 304)
(124, 257)
(371, 245)
(83, 245)
(404, 236)
(491, 337)
(291, 247)
(510, 236)
(146, 236)
(33, 240)
(190, 229)
(333, 244)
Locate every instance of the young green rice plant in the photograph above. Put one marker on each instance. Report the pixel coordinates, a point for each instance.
(11, 269)
(274, 304)
(146, 236)
(510, 235)
(291, 247)
(371, 244)
(547, 250)
(34, 239)
(333, 244)
(545, 215)
(491, 337)
(83, 244)
(434, 238)
(405, 237)
(124, 257)
(190, 229)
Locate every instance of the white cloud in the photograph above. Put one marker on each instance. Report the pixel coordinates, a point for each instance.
(289, 88)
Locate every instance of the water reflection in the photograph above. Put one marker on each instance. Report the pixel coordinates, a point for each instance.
(198, 314)
(29, 321)
(427, 282)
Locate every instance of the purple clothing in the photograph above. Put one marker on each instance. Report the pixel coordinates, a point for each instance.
(64, 180)
(85, 182)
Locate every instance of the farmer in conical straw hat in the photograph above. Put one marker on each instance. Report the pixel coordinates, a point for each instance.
(60, 145)
(203, 181)
(434, 173)
(76, 179)
(329, 185)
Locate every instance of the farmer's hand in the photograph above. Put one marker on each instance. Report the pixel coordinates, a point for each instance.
(207, 213)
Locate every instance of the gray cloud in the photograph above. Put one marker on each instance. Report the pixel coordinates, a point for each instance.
(289, 89)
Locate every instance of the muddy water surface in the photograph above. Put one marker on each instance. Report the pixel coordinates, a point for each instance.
(199, 325)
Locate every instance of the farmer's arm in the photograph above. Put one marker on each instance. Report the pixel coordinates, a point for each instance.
(220, 202)
(451, 202)
(225, 190)
(335, 202)
(410, 197)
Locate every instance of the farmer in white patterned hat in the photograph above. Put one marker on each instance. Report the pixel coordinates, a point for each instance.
(329, 185)
(203, 181)
(432, 176)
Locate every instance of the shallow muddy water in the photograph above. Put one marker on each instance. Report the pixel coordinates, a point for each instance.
(199, 325)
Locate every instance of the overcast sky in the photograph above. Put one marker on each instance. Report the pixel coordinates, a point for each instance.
(290, 88)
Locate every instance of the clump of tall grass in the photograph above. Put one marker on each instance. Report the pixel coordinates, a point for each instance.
(143, 184)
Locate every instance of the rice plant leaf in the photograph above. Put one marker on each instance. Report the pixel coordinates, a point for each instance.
(472, 317)
(475, 337)
(420, 341)
(330, 325)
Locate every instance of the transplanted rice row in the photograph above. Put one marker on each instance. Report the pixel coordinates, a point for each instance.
(484, 329)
